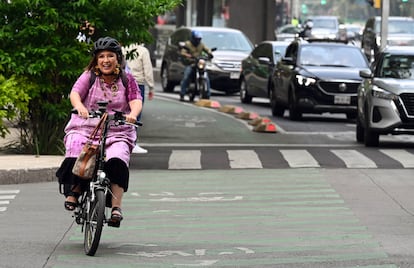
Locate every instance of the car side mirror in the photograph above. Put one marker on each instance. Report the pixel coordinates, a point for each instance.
(264, 60)
(288, 61)
(366, 74)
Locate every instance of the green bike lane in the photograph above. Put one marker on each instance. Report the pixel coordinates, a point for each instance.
(232, 218)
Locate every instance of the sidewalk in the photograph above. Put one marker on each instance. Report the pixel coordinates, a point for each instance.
(16, 169)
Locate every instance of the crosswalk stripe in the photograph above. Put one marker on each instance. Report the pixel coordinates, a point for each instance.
(185, 159)
(4, 202)
(7, 196)
(405, 158)
(299, 158)
(244, 159)
(354, 159)
(9, 191)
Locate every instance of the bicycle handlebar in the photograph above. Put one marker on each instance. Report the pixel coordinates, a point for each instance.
(117, 117)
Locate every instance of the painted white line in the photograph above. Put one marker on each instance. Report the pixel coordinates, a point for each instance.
(4, 202)
(244, 159)
(354, 159)
(9, 191)
(2, 209)
(185, 159)
(270, 145)
(405, 158)
(7, 196)
(299, 158)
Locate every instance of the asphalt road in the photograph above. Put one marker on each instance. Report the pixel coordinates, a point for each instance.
(225, 218)
(222, 217)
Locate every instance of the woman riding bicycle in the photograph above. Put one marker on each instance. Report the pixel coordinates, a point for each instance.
(109, 77)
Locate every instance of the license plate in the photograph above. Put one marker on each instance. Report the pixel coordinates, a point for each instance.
(234, 75)
(342, 100)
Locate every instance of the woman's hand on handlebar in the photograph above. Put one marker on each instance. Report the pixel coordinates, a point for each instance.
(82, 111)
(130, 119)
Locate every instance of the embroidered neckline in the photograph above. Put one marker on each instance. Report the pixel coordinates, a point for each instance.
(113, 87)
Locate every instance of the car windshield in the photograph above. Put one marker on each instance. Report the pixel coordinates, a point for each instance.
(397, 66)
(227, 41)
(324, 23)
(397, 27)
(336, 56)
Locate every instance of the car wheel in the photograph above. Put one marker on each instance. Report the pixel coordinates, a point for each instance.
(276, 109)
(371, 138)
(244, 94)
(359, 130)
(294, 112)
(167, 85)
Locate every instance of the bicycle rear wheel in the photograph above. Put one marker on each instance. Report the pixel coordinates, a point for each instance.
(94, 223)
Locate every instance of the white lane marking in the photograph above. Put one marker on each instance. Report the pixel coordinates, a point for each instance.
(198, 199)
(354, 159)
(299, 158)
(7, 196)
(244, 159)
(9, 191)
(3, 209)
(4, 202)
(405, 158)
(185, 159)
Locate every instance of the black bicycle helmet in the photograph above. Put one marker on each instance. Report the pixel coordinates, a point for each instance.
(107, 43)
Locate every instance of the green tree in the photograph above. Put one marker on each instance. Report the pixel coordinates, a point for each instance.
(40, 57)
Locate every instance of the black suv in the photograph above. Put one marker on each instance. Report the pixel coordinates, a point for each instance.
(224, 70)
(317, 77)
(400, 33)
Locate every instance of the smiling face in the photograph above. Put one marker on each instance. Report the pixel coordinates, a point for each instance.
(107, 62)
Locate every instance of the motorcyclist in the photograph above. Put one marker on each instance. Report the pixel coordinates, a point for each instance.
(192, 49)
(307, 30)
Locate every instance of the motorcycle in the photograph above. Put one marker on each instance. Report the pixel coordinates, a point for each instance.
(198, 82)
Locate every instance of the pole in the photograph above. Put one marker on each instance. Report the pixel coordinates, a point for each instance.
(385, 12)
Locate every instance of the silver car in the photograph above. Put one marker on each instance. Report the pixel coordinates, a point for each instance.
(386, 96)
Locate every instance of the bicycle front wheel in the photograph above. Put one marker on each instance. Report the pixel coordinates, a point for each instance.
(94, 223)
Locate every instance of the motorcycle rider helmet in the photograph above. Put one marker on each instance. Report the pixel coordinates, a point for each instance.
(309, 24)
(108, 43)
(196, 37)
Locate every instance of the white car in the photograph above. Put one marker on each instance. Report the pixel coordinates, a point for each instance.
(386, 96)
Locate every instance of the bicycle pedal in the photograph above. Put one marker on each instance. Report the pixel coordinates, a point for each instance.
(115, 224)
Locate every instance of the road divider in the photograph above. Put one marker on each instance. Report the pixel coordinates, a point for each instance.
(230, 109)
(208, 103)
(260, 124)
(247, 115)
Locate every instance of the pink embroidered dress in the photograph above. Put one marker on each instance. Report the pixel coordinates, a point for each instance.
(121, 139)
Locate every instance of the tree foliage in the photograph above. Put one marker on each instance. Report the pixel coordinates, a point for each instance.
(40, 57)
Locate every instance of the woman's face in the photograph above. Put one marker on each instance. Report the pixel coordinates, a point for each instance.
(107, 61)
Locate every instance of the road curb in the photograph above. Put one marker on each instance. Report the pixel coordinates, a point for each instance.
(19, 176)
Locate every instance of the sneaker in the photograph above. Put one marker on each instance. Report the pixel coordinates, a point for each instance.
(181, 98)
(139, 150)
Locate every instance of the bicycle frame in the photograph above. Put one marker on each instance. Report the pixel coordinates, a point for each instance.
(92, 210)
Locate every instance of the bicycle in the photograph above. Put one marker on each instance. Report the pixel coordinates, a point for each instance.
(92, 206)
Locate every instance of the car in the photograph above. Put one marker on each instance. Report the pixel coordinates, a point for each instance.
(224, 69)
(287, 32)
(400, 33)
(257, 69)
(328, 27)
(317, 77)
(354, 32)
(386, 96)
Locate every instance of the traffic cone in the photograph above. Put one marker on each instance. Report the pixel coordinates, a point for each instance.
(265, 127)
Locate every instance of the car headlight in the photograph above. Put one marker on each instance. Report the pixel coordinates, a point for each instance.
(305, 81)
(380, 93)
(212, 66)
